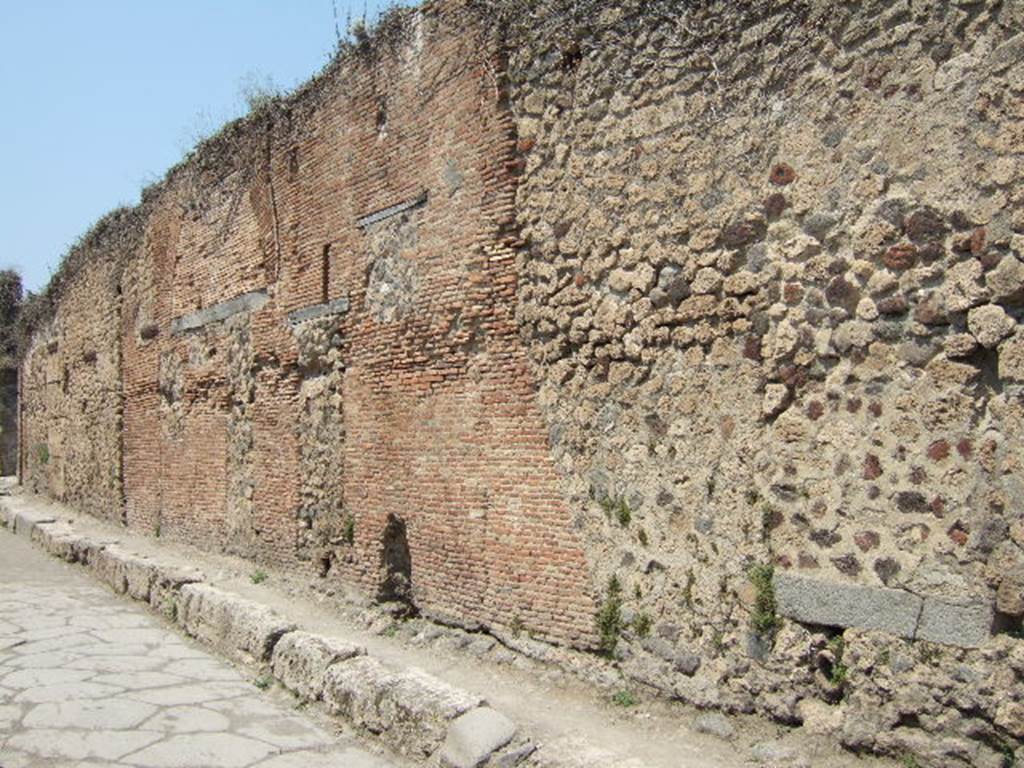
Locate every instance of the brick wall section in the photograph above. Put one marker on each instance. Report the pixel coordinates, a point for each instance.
(437, 419)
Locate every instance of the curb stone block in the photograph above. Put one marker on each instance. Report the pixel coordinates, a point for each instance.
(110, 567)
(61, 541)
(124, 572)
(354, 690)
(574, 752)
(475, 736)
(56, 540)
(411, 710)
(140, 574)
(237, 627)
(165, 589)
(88, 550)
(417, 708)
(25, 522)
(514, 755)
(301, 659)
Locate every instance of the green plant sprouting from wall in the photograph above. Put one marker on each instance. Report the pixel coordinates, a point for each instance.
(624, 698)
(840, 671)
(642, 625)
(618, 509)
(764, 618)
(609, 618)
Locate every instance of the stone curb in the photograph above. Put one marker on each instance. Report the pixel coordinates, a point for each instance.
(411, 711)
(238, 628)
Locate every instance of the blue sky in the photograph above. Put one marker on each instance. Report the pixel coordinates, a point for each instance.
(100, 97)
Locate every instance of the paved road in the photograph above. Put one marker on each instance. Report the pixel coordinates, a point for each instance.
(89, 680)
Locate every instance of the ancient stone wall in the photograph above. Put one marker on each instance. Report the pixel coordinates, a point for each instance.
(71, 380)
(773, 296)
(688, 332)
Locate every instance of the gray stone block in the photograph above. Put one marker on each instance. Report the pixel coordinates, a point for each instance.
(392, 210)
(108, 565)
(967, 625)
(1009, 53)
(87, 550)
(124, 572)
(301, 660)
(55, 539)
(139, 574)
(716, 724)
(247, 302)
(831, 604)
(474, 737)
(315, 312)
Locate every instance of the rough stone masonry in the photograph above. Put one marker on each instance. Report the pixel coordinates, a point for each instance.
(689, 331)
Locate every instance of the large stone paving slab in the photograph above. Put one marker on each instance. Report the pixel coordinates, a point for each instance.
(90, 680)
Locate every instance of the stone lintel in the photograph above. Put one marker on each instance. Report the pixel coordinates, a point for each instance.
(392, 210)
(315, 312)
(247, 302)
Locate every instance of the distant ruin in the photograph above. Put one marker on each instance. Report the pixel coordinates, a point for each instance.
(10, 306)
(691, 330)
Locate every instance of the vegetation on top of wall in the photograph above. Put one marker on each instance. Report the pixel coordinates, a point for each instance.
(117, 233)
(563, 22)
(363, 45)
(112, 237)
(11, 299)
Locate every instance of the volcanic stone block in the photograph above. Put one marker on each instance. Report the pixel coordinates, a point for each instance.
(165, 590)
(967, 625)
(55, 539)
(108, 566)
